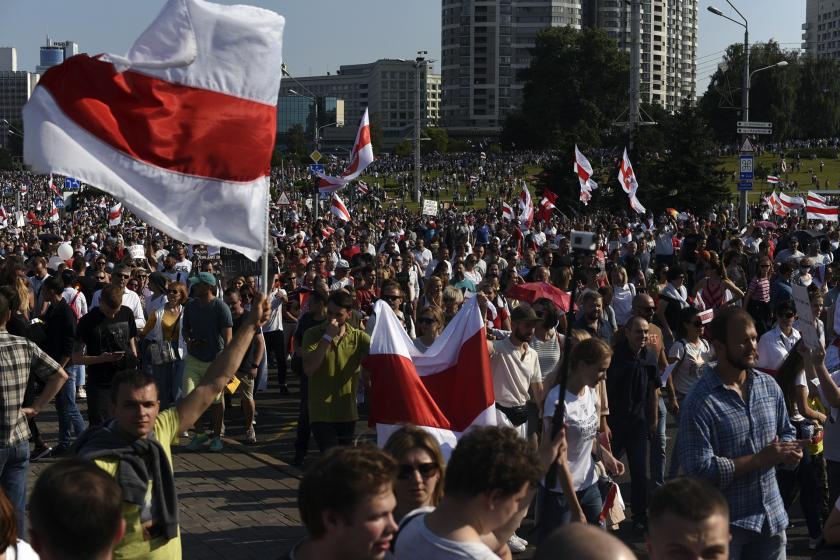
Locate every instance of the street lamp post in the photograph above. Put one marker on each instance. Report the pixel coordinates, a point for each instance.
(314, 98)
(746, 79)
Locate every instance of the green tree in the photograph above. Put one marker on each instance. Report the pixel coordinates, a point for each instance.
(404, 148)
(376, 133)
(6, 161)
(574, 89)
(296, 141)
(438, 140)
(818, 100)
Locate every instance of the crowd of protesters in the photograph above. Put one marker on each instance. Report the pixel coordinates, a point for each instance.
(676, 317)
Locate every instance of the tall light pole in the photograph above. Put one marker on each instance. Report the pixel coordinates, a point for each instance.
(314, 98)
(419, 64)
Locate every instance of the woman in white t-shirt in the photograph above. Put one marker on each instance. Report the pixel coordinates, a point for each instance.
(690, 353)
(623, 294)
(588, 365)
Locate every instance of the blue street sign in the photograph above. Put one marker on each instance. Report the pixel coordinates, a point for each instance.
(71, 184)
(746, 167)
(745, 186)
(59, 202)
(316, 168)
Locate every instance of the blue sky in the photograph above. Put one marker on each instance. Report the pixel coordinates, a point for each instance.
(323, 34)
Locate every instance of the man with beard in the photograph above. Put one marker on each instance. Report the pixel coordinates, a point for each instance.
(592, 320)
(734, 431)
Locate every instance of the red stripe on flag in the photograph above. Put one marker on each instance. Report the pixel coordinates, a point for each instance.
(172, 126)
(450, 399)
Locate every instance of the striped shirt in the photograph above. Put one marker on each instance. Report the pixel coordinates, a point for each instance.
(548, 351)
(717, 426)
(19, 358)
(759, 289)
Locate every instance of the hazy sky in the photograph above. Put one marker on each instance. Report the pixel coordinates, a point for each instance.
(323, 34)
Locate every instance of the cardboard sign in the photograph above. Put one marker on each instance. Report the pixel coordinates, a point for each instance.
(430, 208)
(807, 325)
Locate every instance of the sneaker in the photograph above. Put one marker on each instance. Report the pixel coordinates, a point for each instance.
(515, 545)
(40, 453)
(216, 445)
(81, 394)
(250, 436)
(60, 450)
(522, 541)
(197, 442)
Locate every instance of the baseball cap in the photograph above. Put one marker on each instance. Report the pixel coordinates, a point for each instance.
(342, 264)
(203, 278)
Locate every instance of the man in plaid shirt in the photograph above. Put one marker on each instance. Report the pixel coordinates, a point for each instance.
(734, 431)
(20, 358)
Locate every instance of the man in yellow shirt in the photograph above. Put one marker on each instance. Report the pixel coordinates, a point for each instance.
(134, 446)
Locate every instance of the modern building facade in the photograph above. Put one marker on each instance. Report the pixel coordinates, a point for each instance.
(821, 30)
(484, 44)
(54, 53)
(387, 87)
(295, 110)
(16, 87)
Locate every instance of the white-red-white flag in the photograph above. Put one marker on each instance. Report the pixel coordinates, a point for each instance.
(181, 129)
(791, 202)
(446, 390)
(4, 218)
(53, 215)
(526, 207)
(24, 189)
(583, 169)
(338, 209)
(773, 180)
(362, 187)
(817, 208)
(115, 215)
(360, 158)
(627, 178)
(507, 211)
(778, 208)
(53, 188)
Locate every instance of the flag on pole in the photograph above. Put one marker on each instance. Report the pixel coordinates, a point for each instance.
(115, 215)
(338, 209)
(507, 211)
(583, 169)
(362, 187)
(4, 218)
(360, 158)
(445, 390)
(181, 129)
(784, 166)
(53, 188)
(626, 175)
(24, 189)
(791, 202)
(817, 208)
(526, 207)
(546, 207)
(327, 231)
(773, 180)
(776, 205)
(53, 215)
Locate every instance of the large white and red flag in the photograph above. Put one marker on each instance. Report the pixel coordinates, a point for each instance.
(445, 390)
(627, 178)
(181, 129)
(360, 158)
(791, 202)
(115, 215)
(507, 211)
(53, 215)
(526, 207)
(776, 205)
(53, 188)
(773, 179)
(583, 169)
(817, 208)
(338, 209)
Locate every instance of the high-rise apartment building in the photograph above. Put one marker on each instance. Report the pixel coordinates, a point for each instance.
(16, 87)
(54, 53)
(484, 43)
(387, 87)
(821, 30)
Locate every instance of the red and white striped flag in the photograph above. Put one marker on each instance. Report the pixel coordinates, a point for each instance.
(791, 202)
(181, 129)
(778, 208)
(53, 188)
(446, 390)
(53, 215)
(4, 218)
(526, 207)
(327, 231)
(817, 208)
(583, 169)
(773, 180)
(362, 187)
(627, 178)
(24, 189)
(115, 215)
(507, 211)
(360, 158)
(338, 209)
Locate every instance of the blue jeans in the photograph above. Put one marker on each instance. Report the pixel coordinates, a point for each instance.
(77, 374)
(631, 437)
(169, 378)
(749, 545)
(69, 417)
(14, 468)
(657, 448)
(555, 510)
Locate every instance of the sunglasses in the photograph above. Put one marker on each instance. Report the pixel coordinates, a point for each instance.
(427, 320)
(123, 275)
(391, 298)
(787, 315)
(426, 470)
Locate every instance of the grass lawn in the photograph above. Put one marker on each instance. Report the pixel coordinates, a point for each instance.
(768, 161)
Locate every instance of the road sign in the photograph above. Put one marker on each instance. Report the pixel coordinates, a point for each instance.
(284, 200)
(59, 202)
(747, 162)
(752, 130)
(747, 146)
(315, 156)
(745, 186)
(316, 168)
(755, 124)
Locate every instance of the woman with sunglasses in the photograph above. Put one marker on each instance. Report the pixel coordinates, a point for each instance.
(419, 481)
(430, 322)
(776, 344)
(165, 328)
